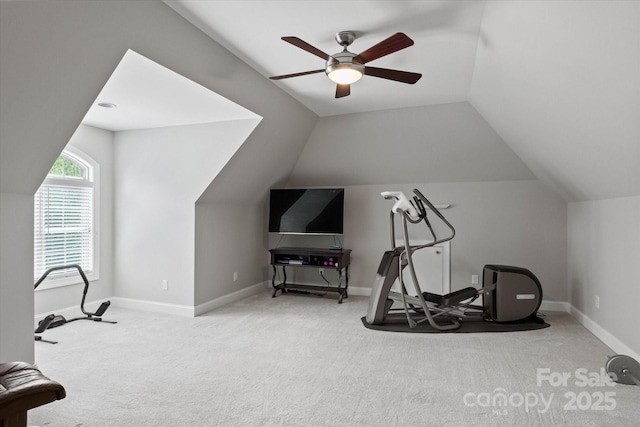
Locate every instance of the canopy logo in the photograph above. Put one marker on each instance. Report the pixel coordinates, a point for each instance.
(587, 399)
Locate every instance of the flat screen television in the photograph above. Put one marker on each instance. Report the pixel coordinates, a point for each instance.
(306, 211)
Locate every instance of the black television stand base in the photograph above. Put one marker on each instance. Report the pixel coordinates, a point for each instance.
(314, 258)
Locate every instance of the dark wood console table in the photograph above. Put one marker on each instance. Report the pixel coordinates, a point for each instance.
(336, 259)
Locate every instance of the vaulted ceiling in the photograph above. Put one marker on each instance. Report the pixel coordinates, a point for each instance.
(559, 81)
(445, 34)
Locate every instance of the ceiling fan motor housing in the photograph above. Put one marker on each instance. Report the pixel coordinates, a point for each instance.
(344, 62)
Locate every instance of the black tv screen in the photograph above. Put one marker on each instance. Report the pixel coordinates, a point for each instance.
(306, 211)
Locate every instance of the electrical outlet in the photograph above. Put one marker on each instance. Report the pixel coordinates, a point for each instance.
(165, 285)
(597, 301)
(474, 279)
(321, 271)
(235, 276)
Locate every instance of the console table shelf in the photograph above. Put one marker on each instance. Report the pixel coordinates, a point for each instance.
(336, 259)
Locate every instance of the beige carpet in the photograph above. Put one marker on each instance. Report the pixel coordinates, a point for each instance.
(307, 361)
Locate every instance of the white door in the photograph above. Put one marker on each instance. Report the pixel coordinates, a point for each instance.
(432, 269)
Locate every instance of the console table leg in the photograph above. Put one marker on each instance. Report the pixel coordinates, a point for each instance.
(282, 286)
(346, 281)
(342, 291)
(273, 281)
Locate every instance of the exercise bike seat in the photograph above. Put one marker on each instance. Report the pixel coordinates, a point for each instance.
(451, 299)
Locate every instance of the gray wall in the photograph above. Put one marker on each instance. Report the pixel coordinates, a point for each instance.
(228, 240)
(502, 214)
(440, 143)
(521, 223)
(159, 176)
(56, 57)
(604, 250)
(16, 276)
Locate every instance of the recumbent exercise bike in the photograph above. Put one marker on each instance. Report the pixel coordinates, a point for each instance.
(53, 321)
(510, 294)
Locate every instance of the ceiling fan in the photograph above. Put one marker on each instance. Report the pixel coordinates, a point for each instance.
(346, 67)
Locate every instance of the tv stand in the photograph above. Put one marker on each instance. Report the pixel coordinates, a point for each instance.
(337, 259)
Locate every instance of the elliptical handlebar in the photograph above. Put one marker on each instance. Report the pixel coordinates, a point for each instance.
(414, 211)
(402, 204)
(420, 197)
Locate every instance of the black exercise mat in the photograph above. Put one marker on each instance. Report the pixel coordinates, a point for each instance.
(398, 323)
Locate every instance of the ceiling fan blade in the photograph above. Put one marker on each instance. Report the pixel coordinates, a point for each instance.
(397, 75)
(306, 46)
(304, 73)
(392, 44)
(343, 90)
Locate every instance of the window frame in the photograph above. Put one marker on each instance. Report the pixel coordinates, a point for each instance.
(92, 180)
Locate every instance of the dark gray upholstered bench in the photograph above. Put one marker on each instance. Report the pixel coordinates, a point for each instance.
(23, 387)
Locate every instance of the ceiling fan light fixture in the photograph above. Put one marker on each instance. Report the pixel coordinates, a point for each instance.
(344, 74)
(341, 68)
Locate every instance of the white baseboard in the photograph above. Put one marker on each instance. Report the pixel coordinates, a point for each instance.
(162, 307)
(153, 306)
(185, 310)
(360, 291)
(231, 298)
(562, 306)
(603, 335)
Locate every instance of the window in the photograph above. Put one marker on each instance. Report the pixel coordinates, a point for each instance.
(65, 219)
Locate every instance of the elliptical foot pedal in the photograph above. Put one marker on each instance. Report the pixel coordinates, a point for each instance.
(452, 298)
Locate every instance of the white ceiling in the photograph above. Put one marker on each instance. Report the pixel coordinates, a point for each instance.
(557, 80)
(446, 35)
(147, 95)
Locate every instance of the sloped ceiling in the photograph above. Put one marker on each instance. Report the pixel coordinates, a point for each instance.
(558, 80)
(145, 95)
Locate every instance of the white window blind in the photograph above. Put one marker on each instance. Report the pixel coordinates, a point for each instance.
(63, 222)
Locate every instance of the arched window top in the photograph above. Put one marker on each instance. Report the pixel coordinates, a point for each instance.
(72, 167)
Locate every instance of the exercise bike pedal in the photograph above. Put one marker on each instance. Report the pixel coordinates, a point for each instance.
(54, 322)
(44, 324)
(103, 307)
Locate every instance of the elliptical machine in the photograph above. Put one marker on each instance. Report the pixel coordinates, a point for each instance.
(510, 294)
(53, 321)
